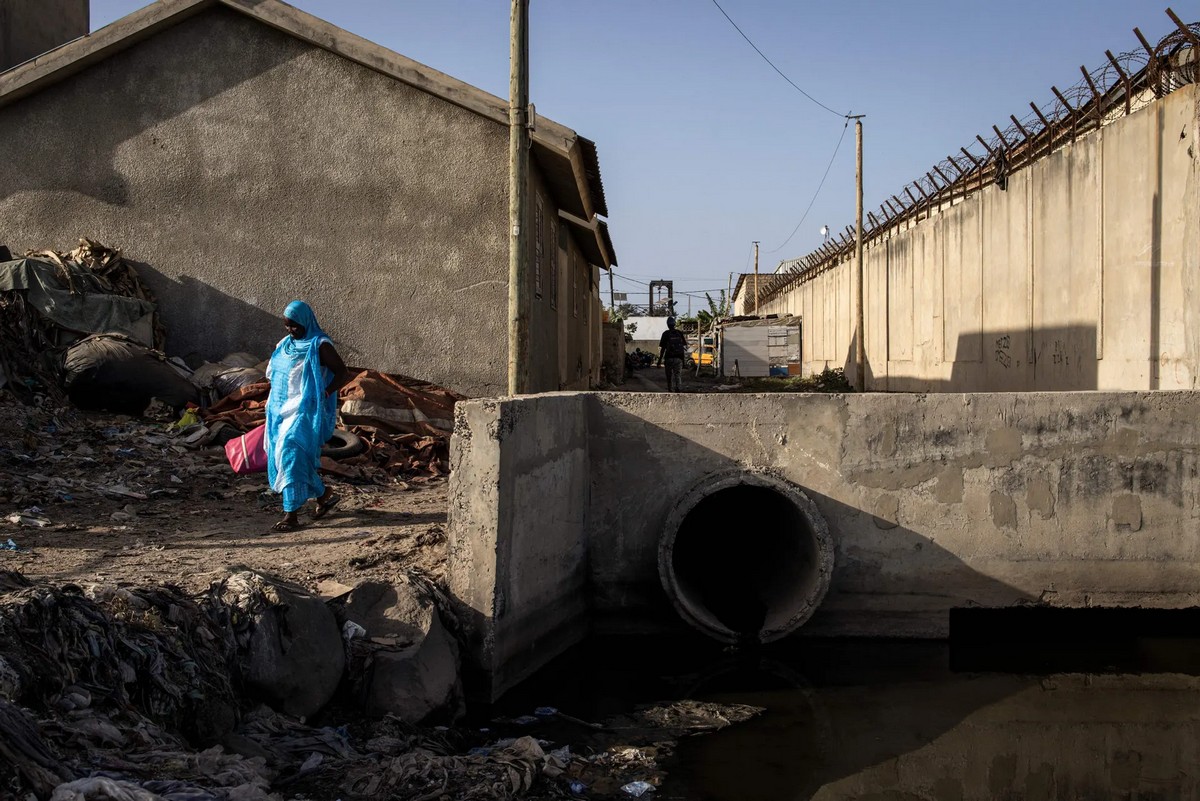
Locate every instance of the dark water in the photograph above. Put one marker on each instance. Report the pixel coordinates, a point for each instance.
(1026, 711)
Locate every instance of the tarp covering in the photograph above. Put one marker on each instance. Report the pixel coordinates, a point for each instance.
(77, 300)
(114, 373)
(49, 300)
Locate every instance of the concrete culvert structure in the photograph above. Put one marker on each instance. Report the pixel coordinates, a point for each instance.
(745, 556)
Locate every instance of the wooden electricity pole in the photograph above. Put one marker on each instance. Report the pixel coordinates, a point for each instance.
(756, 277)
(860, 348)
(518, 183)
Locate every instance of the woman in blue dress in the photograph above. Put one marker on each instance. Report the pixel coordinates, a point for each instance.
(305, 374)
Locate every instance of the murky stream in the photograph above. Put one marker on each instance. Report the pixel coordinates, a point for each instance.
(1053, 714)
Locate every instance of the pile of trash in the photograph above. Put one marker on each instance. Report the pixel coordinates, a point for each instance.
(49, 301)
(82, 327)
(404, 424)
(148, 694)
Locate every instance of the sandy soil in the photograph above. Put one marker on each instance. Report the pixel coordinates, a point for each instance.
(127, 503)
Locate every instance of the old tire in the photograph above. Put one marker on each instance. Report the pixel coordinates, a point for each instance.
(343, 445)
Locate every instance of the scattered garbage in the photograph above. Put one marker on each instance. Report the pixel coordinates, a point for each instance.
(28, 520)
(637, 789)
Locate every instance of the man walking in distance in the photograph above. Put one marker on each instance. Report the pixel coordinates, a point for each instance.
(672, 345)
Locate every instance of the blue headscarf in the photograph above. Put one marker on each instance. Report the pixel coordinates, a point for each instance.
(301, 415)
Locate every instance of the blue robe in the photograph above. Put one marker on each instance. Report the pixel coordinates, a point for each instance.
(301, 415)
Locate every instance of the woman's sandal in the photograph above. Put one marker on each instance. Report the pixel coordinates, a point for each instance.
(325, 508)
(286, 525)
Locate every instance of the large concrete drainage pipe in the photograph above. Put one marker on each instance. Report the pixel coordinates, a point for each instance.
(745, 556)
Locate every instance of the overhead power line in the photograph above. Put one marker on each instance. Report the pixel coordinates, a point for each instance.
(764, 58)
(819, 186)
(693, 293)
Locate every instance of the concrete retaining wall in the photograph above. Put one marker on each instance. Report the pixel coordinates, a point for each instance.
(934, 502)
(518, 555)
(1089, 264)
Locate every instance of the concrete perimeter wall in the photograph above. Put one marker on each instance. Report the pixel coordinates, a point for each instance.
(1083, 274)
(934, 502)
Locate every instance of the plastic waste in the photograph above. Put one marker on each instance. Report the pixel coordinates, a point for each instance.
(28, 520)
(545, 711)
(525, 720)
(352, 631)
(9, 546)
(189, 418)
(577, 787)
(638, 789)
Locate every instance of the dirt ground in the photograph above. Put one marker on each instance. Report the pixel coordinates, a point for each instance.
(113, 499)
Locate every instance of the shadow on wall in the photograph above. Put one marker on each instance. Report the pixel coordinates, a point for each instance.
(881, 569)
(169, 74)
(1052, 359)
(233, 325)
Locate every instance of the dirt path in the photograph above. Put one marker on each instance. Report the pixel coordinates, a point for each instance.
(123, 502)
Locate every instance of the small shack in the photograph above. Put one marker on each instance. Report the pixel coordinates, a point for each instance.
(761, 346)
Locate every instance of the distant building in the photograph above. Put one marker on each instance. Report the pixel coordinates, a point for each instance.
(741, 302)
(248, 153)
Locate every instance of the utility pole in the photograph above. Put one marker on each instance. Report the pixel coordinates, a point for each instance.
(756, 277)
(612, 304)
(518, 182)
(860, 349)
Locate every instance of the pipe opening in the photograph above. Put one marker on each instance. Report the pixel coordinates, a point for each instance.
(750, 559)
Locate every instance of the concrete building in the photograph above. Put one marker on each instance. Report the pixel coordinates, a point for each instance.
(29, 28)
(741, 299)
(246, 153)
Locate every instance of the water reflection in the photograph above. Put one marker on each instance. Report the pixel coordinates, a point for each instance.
(870, 720)
(952, 737)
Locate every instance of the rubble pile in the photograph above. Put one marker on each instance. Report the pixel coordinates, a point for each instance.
(148, 694)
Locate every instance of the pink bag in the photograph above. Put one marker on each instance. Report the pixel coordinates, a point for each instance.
(248, 453)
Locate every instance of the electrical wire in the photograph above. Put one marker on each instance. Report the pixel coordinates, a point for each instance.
(694, 293)
(818, 192)
(764, 58)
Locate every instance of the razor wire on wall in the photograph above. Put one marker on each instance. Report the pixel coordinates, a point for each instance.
(1122, 85)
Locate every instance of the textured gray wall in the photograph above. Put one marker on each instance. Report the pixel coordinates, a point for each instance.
(519, 561)
(29, 28)
(246, 168)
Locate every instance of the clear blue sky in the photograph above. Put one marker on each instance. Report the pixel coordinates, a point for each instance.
(703, 148)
